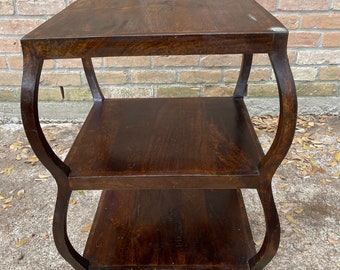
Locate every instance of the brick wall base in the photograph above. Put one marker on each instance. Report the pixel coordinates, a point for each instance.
(75, 111)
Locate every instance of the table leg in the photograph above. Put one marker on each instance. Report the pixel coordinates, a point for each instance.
(30, 117)
(61, 239)
(242, 83)
(275, 155)
(92, 80)
(272, 238)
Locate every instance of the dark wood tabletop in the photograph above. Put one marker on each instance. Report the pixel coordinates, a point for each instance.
(109, 18)
(105, 24)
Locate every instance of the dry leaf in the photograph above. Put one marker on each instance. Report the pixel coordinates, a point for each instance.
(42, 177)
(73, 202)
(326, 181)
(291, 219)
(25, 150)
(258, 242)
(2, 197)
(333, 241)
(298, 211)
(21, 194)
(61, 150)
(9, 200)
(32, 160)
(8, 170)
(6, 205)
(297, 231)
(87, 228)
(19, 157)
(337, 156)
(16, 146)
(21, 242)
(317, 170)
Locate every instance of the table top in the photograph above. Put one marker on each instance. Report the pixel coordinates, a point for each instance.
(100, 28)
(112, 18)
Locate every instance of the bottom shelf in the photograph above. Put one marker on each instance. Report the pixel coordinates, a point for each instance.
(170, 229)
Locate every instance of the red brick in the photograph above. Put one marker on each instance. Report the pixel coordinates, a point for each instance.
(153, 76)
(268, 4)
(199, 76)
(331, 39)
(291, 21)
(18, 26)
(60, 79)
(15, 62)
(292, 53)
(318, 57)
(112, 77)
(336, 4)
(316, 89)
(10, 45)
(69, 63)
(256, 75)
(175, 60)
(304, 39)
(305, 73)
(262, 90)
(321, 21)
(303, 5)
(48, 64)
(330, 73)
(262, 59)
(39, 7)
(7, 94)
(218, 90)
(131, 92)
(6, 7)
(132, 61)
(3, 62)
(10, 78)
(77, 94)
(220, 60)
(178, 91)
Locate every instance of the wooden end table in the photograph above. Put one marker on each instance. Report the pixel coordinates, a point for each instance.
(171, 170)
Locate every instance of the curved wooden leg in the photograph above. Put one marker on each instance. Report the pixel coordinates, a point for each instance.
(272, 237)
(92, 80)
(30, 115)
(275, 155)
(61, 239)
(288, 114)
(242, 83)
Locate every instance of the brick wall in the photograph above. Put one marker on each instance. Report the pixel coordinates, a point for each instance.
(314, 52)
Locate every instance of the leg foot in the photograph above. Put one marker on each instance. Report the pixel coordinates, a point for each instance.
(61, 239)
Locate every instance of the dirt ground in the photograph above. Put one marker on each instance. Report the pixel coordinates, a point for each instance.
(306, 189)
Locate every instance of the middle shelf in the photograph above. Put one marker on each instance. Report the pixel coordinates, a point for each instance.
(166, 143)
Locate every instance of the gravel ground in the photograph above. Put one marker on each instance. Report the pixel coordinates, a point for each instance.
(306, 189)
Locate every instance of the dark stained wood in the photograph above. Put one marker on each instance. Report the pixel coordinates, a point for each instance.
(178, 229)
(150, 141)
(114, 27)
(171, 168)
